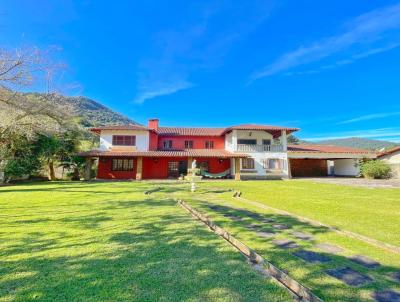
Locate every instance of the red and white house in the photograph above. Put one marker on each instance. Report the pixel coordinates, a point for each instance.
(241, 152)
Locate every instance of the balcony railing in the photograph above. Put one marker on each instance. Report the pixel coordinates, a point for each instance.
(259, 148)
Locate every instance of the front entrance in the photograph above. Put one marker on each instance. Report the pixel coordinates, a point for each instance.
(177, 168)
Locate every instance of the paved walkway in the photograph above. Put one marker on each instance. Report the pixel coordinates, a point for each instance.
(359, 182)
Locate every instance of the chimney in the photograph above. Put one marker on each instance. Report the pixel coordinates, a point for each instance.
(153, 124)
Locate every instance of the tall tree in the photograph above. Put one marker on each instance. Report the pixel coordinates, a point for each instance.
(20, 115)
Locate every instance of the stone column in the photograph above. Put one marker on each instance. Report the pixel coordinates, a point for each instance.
(88, 168)
(139, 168)
(284, 140)
(237, 168)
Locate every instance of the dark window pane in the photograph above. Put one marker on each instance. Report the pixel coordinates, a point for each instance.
(247, 141)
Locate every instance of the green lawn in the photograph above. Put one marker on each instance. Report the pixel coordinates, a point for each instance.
(110, 242)
(371, 212)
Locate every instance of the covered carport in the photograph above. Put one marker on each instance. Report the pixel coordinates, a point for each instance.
(325, 160)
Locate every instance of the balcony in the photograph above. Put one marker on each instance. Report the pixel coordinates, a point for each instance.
(259, 148)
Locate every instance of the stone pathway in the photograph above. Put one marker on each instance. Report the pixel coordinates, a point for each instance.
(346, 274)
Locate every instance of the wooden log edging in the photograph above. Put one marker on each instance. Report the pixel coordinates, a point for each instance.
(301, 292)
(377, 243)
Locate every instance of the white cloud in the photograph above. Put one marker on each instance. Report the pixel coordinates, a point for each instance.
(162, 89)
(200, 45)
(364, 30)
(368, 117)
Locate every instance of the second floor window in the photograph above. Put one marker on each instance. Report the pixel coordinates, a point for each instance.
(167, 144)
(188, 144)
(247, 141)
(124, 140)
(266, 142)
(247, 163)
(209, 144)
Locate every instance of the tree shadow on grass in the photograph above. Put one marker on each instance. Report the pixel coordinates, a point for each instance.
(156, 259)
(310, 272)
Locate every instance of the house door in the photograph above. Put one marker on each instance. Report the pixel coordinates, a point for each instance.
(173, 169)
(183, 167)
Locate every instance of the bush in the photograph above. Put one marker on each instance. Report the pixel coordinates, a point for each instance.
(375, 169)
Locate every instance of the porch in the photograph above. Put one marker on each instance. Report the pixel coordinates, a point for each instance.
(161, 164)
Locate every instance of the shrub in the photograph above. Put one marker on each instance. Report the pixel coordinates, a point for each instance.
(375, 169)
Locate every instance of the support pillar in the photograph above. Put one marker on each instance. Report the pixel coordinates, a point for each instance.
(189, 164)
(237, 168)
(88, 168)
(139, 168)
(289, 168)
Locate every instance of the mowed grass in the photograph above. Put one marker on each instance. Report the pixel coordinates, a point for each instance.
(215, 199)
(110, 242)
(374, 213)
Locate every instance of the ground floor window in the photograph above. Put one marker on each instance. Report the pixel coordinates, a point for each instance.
(247, 163)
(122, 164)
(273, 164)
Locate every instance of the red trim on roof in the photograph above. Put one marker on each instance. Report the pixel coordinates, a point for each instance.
(390, 151)
(163, 153)
(188, 131)
(326, 149)
(118, 127)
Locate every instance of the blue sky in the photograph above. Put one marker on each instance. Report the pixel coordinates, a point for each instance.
(331, 70)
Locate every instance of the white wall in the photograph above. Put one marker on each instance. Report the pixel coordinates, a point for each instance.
(259, 157)
(393, 158)
(254, 134)
(346, 167)
(142, 138)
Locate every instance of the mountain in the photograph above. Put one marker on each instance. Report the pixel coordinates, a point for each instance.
(90, 112)
(357, 142)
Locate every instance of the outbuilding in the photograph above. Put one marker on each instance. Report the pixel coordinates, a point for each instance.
(326, 160)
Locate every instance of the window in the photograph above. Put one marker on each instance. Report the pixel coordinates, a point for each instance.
(247, 163)
(273, 164)
(188, 144)
(124, 140)
(167, 144)
(266, 142)
(247, 141)
(121, 164)
(209, 144)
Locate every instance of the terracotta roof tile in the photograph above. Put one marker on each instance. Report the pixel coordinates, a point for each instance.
(390, 151)
(166, 153)
(326, 149)
(118, 127)
(187, 131)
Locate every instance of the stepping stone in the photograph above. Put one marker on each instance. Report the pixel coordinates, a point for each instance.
(235, 218)
(301, 235)
(386, 296)
(349, 276)
(365, 261)
(395, 276)
(253, 226)
(329, 248)
(285, 243)
(267, 220)
(265, 234)
(280, 226)
(312, 257)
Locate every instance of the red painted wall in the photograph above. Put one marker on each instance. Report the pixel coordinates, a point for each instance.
(178, 142)
(104, 170)
(157, 168)
(214, 164)
(153, 141)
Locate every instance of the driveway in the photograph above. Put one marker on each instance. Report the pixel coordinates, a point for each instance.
(360, 182)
